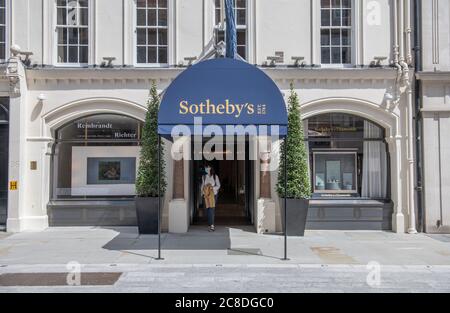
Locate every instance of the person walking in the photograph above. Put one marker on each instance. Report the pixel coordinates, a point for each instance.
(210, 189)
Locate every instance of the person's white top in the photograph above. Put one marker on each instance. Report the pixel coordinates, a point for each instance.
(215, 183)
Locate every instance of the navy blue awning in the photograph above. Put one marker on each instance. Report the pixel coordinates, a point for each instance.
(225, 95)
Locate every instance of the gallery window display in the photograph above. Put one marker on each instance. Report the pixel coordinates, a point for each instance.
(348, 157)
(96, 157)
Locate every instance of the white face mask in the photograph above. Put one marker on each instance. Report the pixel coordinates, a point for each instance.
(208, 170)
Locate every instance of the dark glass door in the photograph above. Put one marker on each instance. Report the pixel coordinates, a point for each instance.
(233, 204)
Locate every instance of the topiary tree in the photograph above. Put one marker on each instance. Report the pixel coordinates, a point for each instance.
(298, 180)
(147, 178)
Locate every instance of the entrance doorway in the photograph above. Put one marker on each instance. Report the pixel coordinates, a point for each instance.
(4, 151)
(234, 169)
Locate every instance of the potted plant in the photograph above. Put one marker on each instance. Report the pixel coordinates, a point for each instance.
(147, 177)
(298, 189)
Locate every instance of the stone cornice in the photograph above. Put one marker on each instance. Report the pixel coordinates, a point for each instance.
(280, 74)
(433, 76)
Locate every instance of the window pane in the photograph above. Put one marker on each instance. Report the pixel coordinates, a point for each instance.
(141, 55)
(325, 17)
(141, 3)
(61, 16)
(2, 34)
(152, 40)
(141, 17)
(162, 37)
(62, 54)
(346, 17)
(336, 55)
(141, 36)
(84, 17)
(72, 17)
(151, 18)
(84, 37)
(346, 3)
(241, 3)
(346, 55)
(241, 18)
(336, 3)
(325, 3)
(162, 3)
(241, 37)
(151, 3)
(152, 55)
(62, 36)
(336, 18)
(346, 37)
(242, 51)
(83, 3)
(84, 54)
(325, 37)
(73, 54)
(218, 17)
(325, 55)
(162, 17)
(335, 37)
(162, 55)
(73, 35)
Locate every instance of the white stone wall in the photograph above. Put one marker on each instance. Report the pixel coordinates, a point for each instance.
(291, 26)
(435, 100)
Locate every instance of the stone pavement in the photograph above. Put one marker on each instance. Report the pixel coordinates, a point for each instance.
(234, 260)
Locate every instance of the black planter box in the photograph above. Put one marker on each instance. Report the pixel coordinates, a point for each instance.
(147, 215)
(297, 213)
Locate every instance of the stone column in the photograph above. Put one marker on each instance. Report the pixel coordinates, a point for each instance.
(264, 180)
(178, 179)
(266, 205)
(179, 217)
(24, 200)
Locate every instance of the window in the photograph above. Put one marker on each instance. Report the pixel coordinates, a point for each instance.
(240, 12)
(3, 29)
(336, 31)
(151, 32)
(96, 157)
(348, 157)
(72, 27)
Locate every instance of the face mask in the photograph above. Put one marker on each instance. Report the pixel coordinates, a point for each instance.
(208, 170)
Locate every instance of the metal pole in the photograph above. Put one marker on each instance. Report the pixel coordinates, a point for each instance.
(285, 198)
(159, 198)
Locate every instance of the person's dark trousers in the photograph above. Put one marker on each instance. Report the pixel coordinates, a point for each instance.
(211, 212)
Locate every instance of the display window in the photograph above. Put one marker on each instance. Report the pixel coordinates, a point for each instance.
(96, 157)
(348, 157)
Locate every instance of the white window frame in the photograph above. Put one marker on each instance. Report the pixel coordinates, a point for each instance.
(91, 34)
(169, 38)
(238, 27)
(317, 56)
(7, 30)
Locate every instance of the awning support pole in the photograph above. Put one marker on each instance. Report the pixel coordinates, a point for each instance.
(285, 198)
(159, 199)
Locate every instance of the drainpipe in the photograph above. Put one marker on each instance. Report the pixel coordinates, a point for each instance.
(418, 117)
(396, 55)
(410, 121)
(408, 32)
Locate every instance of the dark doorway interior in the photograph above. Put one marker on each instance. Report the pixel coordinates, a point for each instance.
(4, 143)
(233, 169)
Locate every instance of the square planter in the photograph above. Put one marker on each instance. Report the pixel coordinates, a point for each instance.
(297, 213)
(147, 215)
